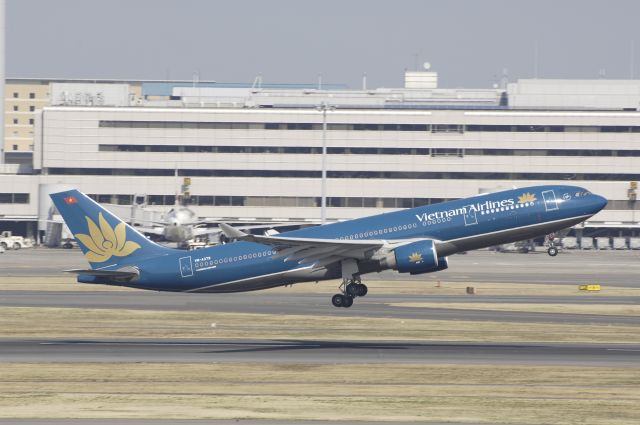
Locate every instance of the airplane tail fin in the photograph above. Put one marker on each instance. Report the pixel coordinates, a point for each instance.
(104, 239)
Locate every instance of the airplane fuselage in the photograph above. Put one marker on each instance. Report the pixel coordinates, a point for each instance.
(459, 225)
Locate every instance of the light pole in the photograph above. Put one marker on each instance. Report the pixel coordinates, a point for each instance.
(324, 107)
(2, 77)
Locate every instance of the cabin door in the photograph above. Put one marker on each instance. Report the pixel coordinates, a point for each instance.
(470, 216)
(186, 270)
(550, 202)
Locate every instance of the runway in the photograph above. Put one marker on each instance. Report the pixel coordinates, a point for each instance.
(432, 349)
(291, 351)
(483, 266)
(609, 268)
(319, 304)
(615, 268)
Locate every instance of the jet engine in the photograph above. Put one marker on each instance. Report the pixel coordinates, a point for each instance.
(416, 258)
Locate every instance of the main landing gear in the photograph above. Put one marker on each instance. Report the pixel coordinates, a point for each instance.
(350, 288)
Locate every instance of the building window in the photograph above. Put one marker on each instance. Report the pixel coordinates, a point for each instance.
(31, 121)
(15, 120)
(15, 94)
(20, 198)
(32, 95)
(15, 108)
(32, 108)
(15, 147)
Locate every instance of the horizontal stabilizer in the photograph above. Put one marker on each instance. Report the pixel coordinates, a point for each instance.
(113, 274)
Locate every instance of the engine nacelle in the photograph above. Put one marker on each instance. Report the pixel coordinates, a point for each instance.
(419, 257)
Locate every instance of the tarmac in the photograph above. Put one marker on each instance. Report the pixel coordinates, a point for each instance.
(318, 352)
(478, 268)
(570, 267)
(610, 269)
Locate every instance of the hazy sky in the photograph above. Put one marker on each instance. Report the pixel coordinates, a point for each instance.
(468, 42)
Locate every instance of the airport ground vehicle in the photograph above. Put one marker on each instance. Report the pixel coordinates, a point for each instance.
(8, 241)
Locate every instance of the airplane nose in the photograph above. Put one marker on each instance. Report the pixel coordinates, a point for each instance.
(599, 202)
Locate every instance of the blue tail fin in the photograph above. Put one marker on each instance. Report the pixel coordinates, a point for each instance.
(104, 239)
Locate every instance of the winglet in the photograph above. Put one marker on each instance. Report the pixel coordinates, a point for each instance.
(231, 232)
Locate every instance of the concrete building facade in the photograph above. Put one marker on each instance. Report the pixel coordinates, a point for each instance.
(264, 161)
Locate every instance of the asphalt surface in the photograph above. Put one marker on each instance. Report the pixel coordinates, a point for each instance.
(475, 268)
(319, 304)
(129, 421)
(615, 268)
(293, 351)
(608, 268)
(620, 269)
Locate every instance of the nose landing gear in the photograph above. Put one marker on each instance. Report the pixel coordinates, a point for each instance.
(552, 250)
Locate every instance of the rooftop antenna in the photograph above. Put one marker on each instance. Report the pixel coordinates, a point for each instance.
(632, 60)
(2, 76)
(416, 56)
(257, 82)
(196, 78)
(535, 60)
(505, 78)
(319, 81)
(426, 66)
(364, 81)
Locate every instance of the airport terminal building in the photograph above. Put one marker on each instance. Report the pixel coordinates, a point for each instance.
(256, 152)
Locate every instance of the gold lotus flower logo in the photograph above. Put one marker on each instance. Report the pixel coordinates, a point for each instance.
(415, 257)
(105, 242)
(526, 197)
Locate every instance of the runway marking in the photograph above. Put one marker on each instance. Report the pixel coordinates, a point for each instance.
(171, 344)
(621, 349)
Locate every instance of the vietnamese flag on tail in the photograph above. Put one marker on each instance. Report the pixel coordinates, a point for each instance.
(70, 200)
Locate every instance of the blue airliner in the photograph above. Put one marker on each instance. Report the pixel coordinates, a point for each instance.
(413, 241)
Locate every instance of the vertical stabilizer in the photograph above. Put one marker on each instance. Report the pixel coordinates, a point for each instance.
(104, 239)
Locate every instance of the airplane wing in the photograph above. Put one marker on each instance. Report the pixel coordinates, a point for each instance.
(312, 250)
(150, 230)
(199, 231)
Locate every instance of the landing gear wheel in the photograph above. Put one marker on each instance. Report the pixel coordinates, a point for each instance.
(362, 289)
(348, 301)
(339, 300)
(352, 289)
(552, 251)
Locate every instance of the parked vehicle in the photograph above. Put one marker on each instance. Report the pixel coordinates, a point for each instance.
(619, 242)
(603, 242)
(522, 247)
(586, 242)
(8, 241)
(570, 242)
